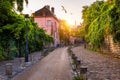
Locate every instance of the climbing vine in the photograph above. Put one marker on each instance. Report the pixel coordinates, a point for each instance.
(102, 19)
(13, 32)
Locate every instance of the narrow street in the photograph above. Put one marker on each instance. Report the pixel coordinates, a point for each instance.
(49, 39)
(55, 66)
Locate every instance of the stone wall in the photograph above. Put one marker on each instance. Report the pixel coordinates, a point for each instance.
(111, 46)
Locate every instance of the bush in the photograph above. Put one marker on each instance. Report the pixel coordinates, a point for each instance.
(78, 78)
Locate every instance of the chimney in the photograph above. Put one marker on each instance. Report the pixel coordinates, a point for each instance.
(48, 7)
(52, 10)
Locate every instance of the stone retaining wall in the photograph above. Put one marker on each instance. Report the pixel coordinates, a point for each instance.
(111, 46)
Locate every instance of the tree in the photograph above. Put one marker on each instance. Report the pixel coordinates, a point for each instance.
(64, 32)
(91, 13)
(12, 32)
(19, 4)
(102, 19)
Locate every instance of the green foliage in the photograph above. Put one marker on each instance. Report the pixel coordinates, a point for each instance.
(78, 78)
(5, 11)
(103, 18)
(64, 32)
(13, 33)
(81, 32)
(19, 4)
(1, 54)
(97, 30)
(92, 12)
(49, 38)
(114, 14)
(13, 37)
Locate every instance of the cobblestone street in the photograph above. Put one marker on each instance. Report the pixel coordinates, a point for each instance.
(100, 67)
(59, 39)
(55, 66)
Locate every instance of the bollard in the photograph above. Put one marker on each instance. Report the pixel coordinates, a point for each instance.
(85, 45)
(22, 63)
(78, 64)
(75, 60)
(31, 58)
(72, 56)
(70, 51)
(8, 67)
(83, 72)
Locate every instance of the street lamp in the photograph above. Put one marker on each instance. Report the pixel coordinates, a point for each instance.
(26, 49)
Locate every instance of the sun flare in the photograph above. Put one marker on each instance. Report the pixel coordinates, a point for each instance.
(70, 22)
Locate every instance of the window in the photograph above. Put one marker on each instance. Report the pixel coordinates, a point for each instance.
(48, 22)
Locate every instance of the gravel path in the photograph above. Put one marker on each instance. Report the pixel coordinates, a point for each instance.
(100, 67)
(55, 66)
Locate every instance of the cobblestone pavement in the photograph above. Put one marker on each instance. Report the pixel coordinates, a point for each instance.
(55, 66)
(100, 67)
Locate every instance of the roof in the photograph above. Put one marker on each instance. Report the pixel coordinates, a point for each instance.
(44, 12)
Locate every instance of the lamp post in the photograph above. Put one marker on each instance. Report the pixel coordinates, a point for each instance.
(26, 48)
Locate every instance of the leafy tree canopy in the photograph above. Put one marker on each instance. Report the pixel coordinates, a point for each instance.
(102, 19)
(13, 31)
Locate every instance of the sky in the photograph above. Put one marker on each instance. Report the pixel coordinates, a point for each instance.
(73, 7)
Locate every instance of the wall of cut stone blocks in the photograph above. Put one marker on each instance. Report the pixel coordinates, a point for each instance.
(112, 46)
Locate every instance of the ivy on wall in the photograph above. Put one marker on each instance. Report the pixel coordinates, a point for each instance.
(101, 19)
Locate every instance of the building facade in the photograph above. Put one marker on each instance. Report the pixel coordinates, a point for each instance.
(46, 19)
